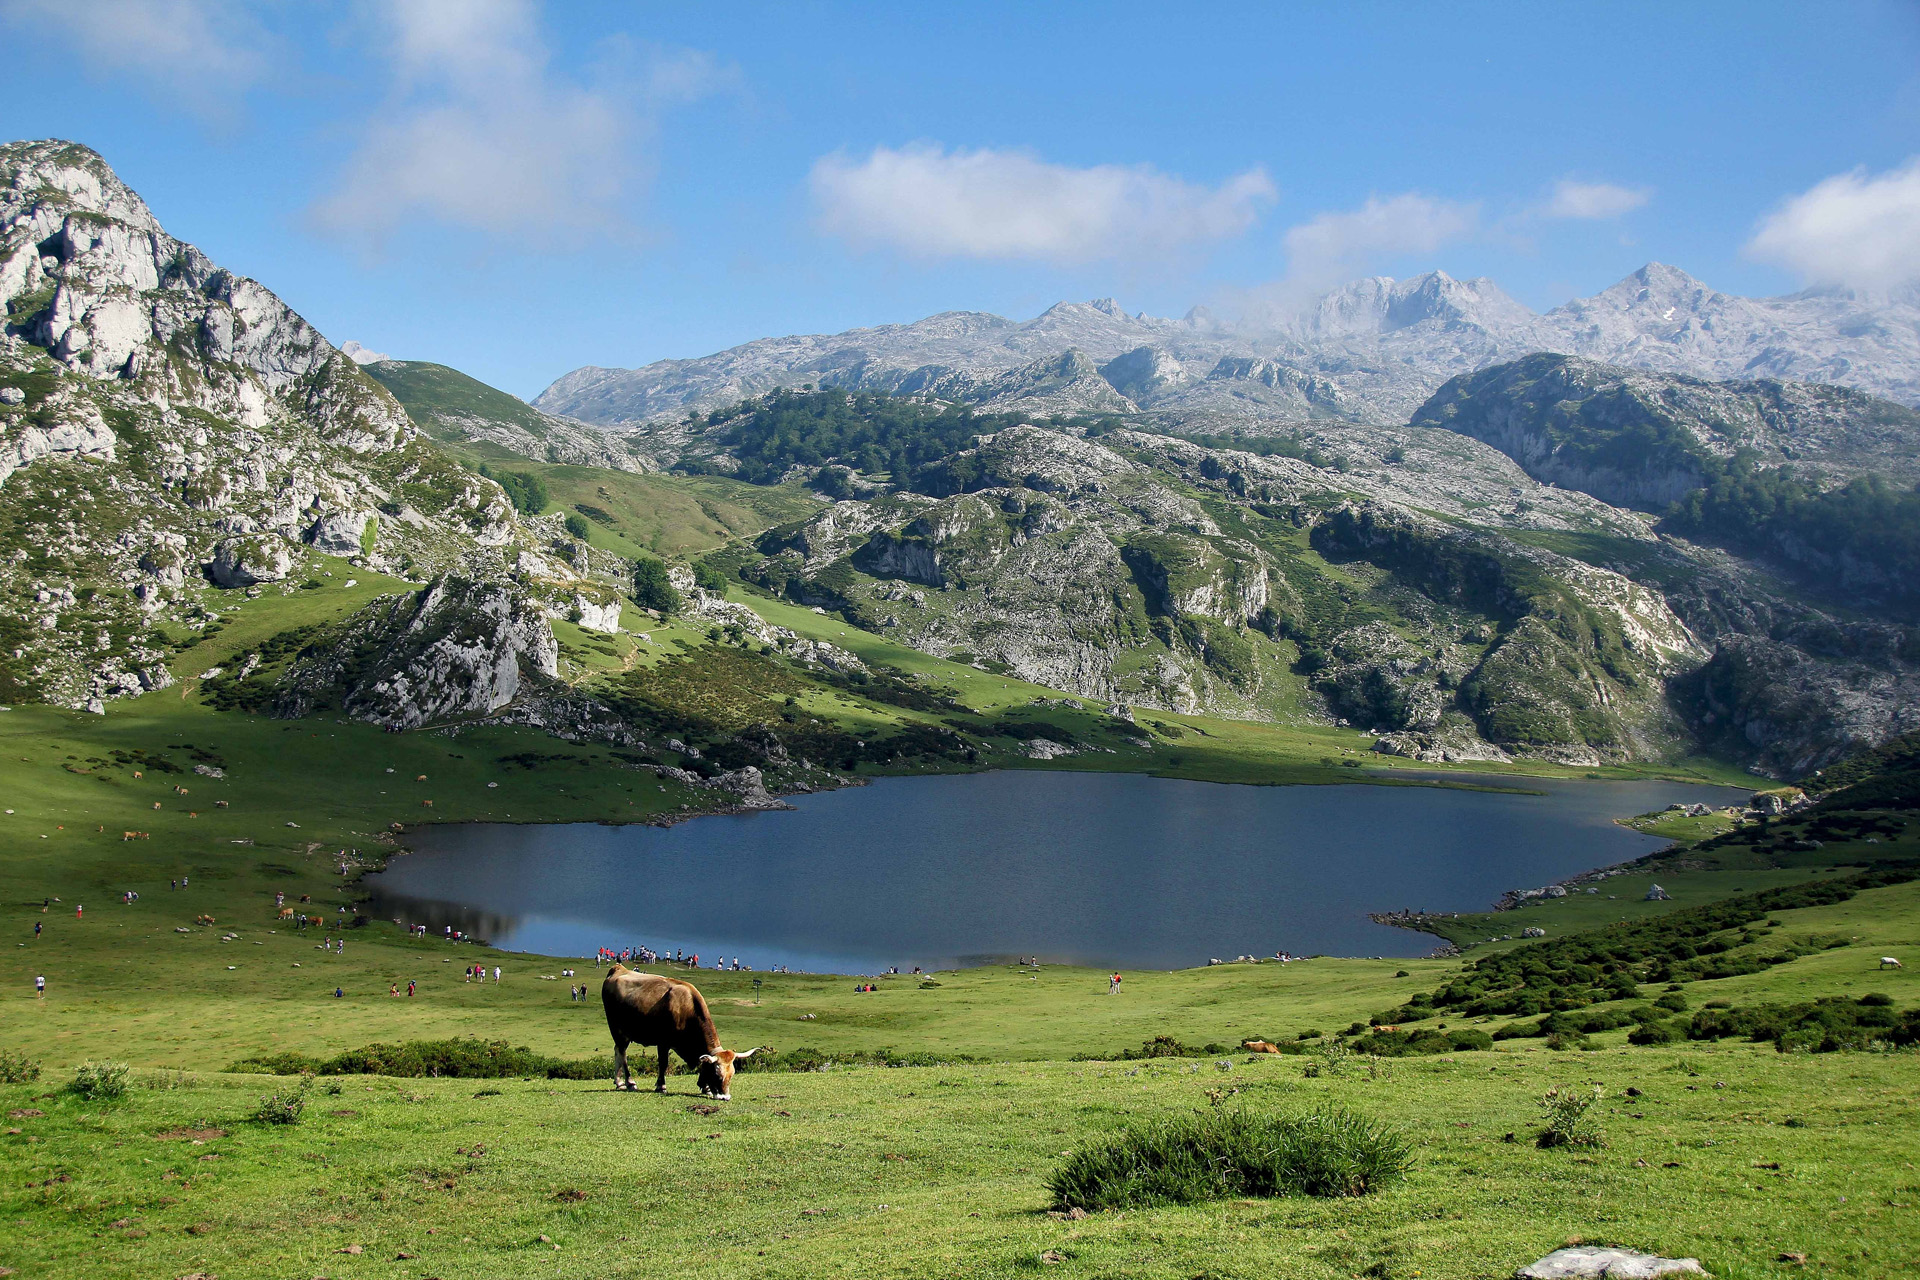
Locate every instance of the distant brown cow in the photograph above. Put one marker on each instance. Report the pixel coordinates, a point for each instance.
(650, 1010)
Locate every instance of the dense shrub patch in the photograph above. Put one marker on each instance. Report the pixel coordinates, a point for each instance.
(1608, 964)
(1222, 1154)
(1827, 1025)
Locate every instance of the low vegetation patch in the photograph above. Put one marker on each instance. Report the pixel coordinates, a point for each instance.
(469, 1058)
(1570, 1122)
(100, 1081)
(1223, 1154)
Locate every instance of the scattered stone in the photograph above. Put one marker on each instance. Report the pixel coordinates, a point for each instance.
(1590, 1262)
(354, 1249)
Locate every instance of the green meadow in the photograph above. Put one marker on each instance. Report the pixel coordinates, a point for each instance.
(1730, 1151)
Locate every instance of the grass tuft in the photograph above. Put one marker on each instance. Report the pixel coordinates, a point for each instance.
(1223, 1154)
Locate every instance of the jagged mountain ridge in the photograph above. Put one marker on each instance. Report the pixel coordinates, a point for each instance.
(1371, 350)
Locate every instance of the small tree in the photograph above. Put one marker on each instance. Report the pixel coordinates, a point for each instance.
(576, 526)
(652, 589)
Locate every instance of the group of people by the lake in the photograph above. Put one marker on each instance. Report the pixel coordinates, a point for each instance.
(690, 960)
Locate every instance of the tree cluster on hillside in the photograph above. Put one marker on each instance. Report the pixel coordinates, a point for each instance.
(1783, 513)
(526, 491)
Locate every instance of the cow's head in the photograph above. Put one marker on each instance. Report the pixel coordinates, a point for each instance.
(716, 1072)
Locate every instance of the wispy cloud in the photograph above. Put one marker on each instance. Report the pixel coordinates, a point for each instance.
(202, 55)
(1335, 246)
(1594, 201)
(929, 202)
(482, 133)
(1856, 229)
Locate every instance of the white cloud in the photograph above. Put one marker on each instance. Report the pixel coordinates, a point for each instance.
(1852, 229)
(1593, 200)
(1335, 246)
(934, 203)
(482, 134)
(204, 55)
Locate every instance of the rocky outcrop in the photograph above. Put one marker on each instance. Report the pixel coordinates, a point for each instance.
(458, 648)
(246, 562)
(164, 423)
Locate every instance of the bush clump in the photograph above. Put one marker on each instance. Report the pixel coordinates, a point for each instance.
(17, 1068)
(100, 1081)
(283, 1106)
(1569, 1123)
(1224, 1154)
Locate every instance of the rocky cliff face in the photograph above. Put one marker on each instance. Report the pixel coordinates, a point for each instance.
(458, 648)
(167, 427)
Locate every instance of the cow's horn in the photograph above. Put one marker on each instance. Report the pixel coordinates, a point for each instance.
(707, 1057)
(748, 1054)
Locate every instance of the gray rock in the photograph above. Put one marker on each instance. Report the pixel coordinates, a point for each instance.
(1589, 1262)
(338, 533)
(242, 562)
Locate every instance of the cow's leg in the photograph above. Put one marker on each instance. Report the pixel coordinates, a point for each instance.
(622, 1077)
(660, 1084)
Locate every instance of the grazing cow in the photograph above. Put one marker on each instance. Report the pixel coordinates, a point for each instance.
(1259, 1046)
(650, 1010)
(1888, 962)
(286, 913)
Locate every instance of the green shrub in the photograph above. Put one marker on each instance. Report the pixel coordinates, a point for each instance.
(17, 1068)
(576, 527)
(1568, 1121)
(652, 589)
(100, 1081)
(708, 578)
(1652, 1033)
(1219, 1154)
(283, 1106)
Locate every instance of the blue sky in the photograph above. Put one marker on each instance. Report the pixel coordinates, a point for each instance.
(518, 189)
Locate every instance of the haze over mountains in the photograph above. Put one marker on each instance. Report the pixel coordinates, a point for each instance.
(1369, 351)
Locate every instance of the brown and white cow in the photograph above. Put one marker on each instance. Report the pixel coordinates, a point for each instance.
(648, 1009)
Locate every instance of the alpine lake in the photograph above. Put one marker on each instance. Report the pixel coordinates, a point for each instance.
(1108, 870)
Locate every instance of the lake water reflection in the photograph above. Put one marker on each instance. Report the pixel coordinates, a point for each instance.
(1087, 868)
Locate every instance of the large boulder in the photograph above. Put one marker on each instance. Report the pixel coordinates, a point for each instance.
(337, 533)
(246, 561)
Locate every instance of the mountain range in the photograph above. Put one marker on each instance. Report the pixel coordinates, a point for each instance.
(1541, 554)
(1370, 351)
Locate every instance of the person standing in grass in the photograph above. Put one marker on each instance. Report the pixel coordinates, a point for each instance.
(36, 928)
(496, 973)
(409, 988)
(40, 987)
(1113, 985)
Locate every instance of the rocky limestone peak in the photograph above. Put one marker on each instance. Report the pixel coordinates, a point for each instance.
(53, 172)
(1656, 291)
(1437, 296)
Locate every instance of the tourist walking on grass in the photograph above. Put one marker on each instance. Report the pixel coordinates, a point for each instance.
(40, 987)
(1113, 985)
